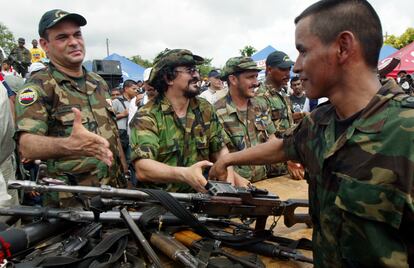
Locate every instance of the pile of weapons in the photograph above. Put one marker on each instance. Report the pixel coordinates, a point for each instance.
(130, 228)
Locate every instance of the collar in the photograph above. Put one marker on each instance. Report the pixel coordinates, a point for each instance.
(167, 108)
(60, 77)
(372, 118)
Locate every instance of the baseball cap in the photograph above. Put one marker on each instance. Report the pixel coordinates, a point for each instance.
(52, 17)
(239, 64)
(214, 73)
(173, 57)
(279, 59)
(21, 40)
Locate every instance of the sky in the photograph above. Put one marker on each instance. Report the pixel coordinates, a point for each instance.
(215, 29)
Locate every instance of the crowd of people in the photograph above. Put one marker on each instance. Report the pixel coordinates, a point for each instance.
(354, 149)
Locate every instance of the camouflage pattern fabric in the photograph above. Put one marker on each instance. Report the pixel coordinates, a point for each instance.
(21, 54)
(282, 117)
(241, 133)
(173, 57)
(239, 64)
(158, 134)
(280, 107)
(43, 107)
(361, 184)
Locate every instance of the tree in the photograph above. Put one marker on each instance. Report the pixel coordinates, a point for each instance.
(247, 51)
(7, 41)
(139, 60)
(206, 67)
(399, 42)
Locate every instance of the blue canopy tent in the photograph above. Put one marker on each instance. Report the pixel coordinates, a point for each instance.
(130, 70)
(386, 50)
(260, 58)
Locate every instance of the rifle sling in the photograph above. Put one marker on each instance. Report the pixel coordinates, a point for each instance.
(176, 208)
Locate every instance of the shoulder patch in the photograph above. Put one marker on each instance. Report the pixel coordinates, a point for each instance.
(28, 96)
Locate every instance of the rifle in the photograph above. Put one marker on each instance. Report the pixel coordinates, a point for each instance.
(223, 200)
(193, 240)
(175, 250)
(17, 240)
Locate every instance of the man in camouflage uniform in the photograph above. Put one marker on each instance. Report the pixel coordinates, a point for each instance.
(246, 120)
(174, 136)
(21, 57)
(63, 113)
(278, 66)
(358, 149)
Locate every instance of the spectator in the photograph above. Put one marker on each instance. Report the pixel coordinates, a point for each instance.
(115, 93)
(36, 53)
(7, 69)
(215, 90)
(121, 109)
(298, 95)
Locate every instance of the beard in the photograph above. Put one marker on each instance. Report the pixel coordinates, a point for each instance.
(191, 93)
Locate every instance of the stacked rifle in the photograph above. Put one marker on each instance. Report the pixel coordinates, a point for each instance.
(190, 229)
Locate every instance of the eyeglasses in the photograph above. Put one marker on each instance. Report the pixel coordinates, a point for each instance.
(189, 70)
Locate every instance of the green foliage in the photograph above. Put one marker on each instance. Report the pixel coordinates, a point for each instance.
(139, 60)
(399, 42)
(7, 41)
(206, 67)
(247, 51)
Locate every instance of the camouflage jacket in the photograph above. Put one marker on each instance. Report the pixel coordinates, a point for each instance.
(43, 107)
(280, 108)
(360, 184)
(241, 133)
(158, 134)
(22, 55)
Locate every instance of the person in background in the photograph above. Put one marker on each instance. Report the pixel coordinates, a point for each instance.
(215, 90)
(36, 52)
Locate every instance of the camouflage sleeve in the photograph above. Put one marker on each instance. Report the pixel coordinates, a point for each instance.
(216, 134)
(144, 136)
(294, 138)
(31, 112)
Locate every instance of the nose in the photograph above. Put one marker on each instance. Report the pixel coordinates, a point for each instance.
(297, 67)
(73, 41)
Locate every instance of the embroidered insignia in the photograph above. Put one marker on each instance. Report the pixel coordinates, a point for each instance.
(27, 96)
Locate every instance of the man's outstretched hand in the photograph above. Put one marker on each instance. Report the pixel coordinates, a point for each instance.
(86, 143)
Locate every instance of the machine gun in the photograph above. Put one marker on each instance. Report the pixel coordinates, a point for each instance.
(223, 200)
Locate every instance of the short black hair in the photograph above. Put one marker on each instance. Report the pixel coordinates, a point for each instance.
(330, 17)
(128, 83)
(293, 79)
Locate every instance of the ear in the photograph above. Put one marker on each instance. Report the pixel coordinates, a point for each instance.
(346, 46)
(232, 79)
(44, 44)
(268, 69)
(169, 82)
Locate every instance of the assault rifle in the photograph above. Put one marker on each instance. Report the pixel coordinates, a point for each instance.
(223, 200)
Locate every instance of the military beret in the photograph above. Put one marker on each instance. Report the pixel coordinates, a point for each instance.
(237, 65)
(52, 17)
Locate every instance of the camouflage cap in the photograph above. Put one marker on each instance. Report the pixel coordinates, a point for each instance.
(173, 57)
(52, 17)
(239, 64)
